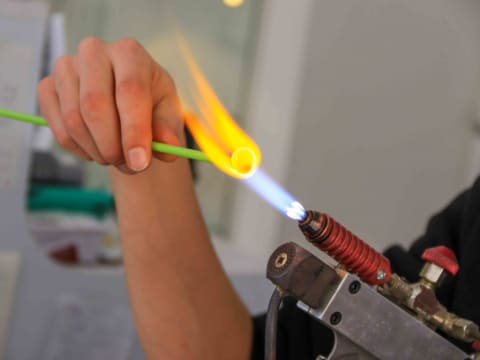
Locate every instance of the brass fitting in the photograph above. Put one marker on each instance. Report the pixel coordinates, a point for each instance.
(432, 275)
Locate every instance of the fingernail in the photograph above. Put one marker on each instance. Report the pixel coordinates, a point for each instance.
(137, 159)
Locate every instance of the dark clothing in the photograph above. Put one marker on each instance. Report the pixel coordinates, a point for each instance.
(457, 226)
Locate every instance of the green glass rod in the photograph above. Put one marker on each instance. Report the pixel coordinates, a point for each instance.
(156, 146)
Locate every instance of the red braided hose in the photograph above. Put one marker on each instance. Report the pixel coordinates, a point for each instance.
(349, 250)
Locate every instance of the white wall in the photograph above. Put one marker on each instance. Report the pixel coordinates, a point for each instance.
(383, 125)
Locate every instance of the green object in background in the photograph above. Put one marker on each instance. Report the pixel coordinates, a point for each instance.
(97, 203)
(156, 146)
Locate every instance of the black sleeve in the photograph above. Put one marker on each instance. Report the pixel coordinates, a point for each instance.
(444, 228)
(301, 337)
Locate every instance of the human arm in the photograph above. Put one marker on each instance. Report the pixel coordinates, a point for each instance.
(106, 104)
(183, 303)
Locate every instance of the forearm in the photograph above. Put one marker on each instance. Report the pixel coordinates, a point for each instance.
(183, 303)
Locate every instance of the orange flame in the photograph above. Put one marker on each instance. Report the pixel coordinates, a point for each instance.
(226, 145)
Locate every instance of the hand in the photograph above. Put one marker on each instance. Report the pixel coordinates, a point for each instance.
(109, 101)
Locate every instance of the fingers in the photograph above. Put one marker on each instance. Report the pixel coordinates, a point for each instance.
(66, 83)
(109, 101)
(50, 109)
(97, 99)
(133, 93)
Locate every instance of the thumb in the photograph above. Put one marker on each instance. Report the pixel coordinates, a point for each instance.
(167, 114)
(168, 127)
(165, 135)
(167, 119)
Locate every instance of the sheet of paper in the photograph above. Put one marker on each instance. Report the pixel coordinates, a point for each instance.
(15, 85)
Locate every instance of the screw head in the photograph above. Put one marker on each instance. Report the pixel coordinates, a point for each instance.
(335, 318)
(381, 274)
(354, 287)
(281, 260)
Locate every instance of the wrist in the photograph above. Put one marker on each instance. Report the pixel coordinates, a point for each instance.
(162, 190)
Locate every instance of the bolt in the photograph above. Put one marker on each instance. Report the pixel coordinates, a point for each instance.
(354, 287)
(335, 318)
(381, 274)
(281, 260)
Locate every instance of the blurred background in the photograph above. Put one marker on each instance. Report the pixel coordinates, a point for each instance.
(368, 110)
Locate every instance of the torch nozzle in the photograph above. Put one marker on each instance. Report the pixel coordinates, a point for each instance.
(313, 226)
(349, 250)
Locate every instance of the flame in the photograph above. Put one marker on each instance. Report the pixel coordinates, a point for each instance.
(226, 145)
(276, 195)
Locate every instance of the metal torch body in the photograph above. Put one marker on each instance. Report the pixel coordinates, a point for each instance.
(373, 313)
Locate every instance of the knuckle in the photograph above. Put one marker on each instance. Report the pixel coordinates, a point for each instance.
(89, 44)
(93, 103)
(43, 85)
(163, 79)
(168, 79)
(168, 82)
(73, 121)
(62, 64)
(64, 139)
(128, 45)
(131, 88)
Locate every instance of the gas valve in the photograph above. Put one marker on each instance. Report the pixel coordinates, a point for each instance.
(368, 321)
(439, 260)
(420, 297)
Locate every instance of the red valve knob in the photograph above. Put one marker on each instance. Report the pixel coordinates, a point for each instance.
(476, 346)
(442, 256)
